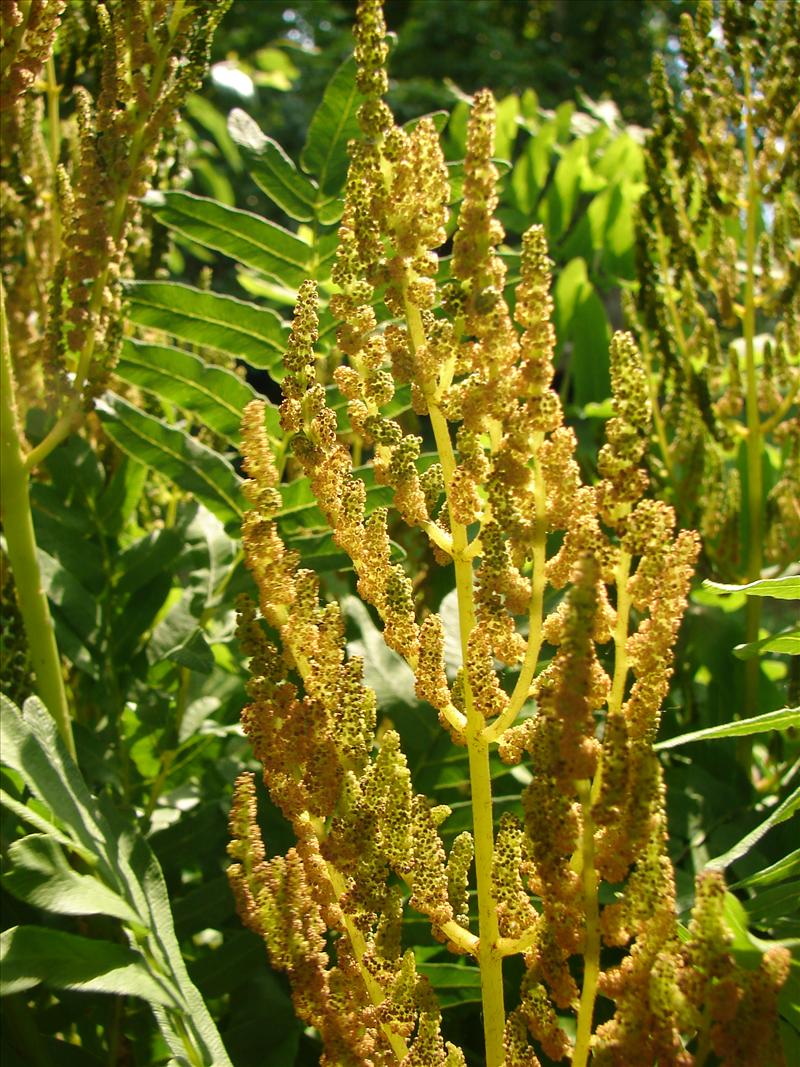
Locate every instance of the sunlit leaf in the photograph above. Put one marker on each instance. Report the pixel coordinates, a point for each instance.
(771, 720)
(785, 588)
(271, 168)
(787, 642)
(249, 239)
(41, 875)
(215, 397)
(333, 125)
(242, 330)
(31, 955)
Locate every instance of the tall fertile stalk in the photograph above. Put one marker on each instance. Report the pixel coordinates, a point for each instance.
(502, 503)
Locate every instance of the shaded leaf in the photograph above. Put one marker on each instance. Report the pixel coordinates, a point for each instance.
(783, 812)
(785, 867)
(179, 638)
(320, 552)
(454, 983)
(192, 466)
(121, 495)
(77, 605)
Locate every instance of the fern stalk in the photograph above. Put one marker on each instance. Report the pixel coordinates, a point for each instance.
(754, 440)
(489, 960)
(15, 505)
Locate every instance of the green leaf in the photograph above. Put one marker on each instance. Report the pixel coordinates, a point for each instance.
(192, 466)
(783, 719)
(245, 331)
(179, 638)
(26, 814)
(75, 613)
(454, 983)
(438, 118)
(31, 955)
(784, 811)
(204, 112)
(30, 747)
(776, 907)
(271, 168)
(146, 558)
(214, 396)
(73, 608)
(532, 168)
(506, 127)
(320, 552)
(78, 606)
(247, 238)
(385, 671)
(41, 875)
(33, 747)
(299, 510)
(334, 124)
(121, 495)
(572, 283)
(787, 642)
(785, 867)
(785, 588)
(570, 175)
(580, 318)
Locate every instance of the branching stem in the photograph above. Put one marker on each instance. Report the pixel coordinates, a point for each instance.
(522, 688)
(591, 949)
(490, 962)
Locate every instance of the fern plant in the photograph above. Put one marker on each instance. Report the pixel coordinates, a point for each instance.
(569, 597)
(717, 302)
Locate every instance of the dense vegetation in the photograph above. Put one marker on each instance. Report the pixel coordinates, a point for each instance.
(325, 457)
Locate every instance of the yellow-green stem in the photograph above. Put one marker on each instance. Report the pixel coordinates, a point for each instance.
(754, 443)
(655, 406)
(591, 949)
(489, 960)
(617, 694)
(15, 507)
(53, 92)
(621, 633)
(359, 946)
(521, 691)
